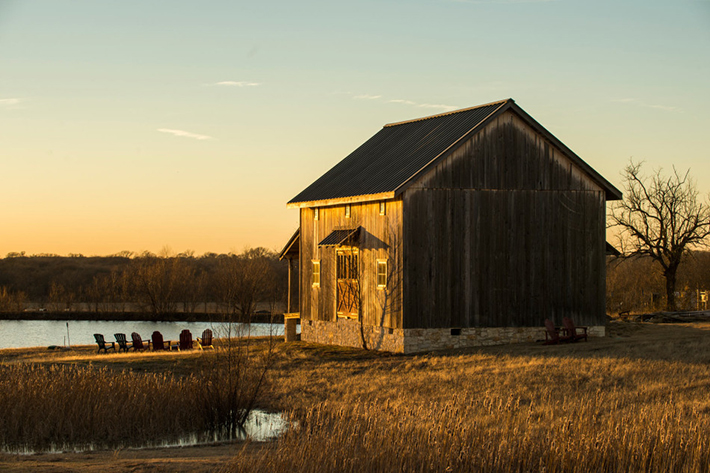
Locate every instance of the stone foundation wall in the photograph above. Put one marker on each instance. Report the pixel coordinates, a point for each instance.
(346, 332)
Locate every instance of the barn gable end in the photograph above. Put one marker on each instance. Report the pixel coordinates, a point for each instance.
(493, 226)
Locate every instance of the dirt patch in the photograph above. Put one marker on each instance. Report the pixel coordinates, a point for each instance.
(184, 459)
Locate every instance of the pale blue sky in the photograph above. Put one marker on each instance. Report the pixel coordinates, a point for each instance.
(130, 125)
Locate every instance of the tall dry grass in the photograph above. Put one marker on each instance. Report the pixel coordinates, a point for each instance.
(632, 404)
(70, 407)
(490, 434)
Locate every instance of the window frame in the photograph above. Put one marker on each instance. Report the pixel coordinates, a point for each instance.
(315, 273)
(383, 208)
(348, 211)
(381, 263)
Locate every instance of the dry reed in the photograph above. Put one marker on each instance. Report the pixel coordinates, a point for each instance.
(70, 407)
(610, 405)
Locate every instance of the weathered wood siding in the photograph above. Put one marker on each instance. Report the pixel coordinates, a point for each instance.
(506, 231)
(380, 238)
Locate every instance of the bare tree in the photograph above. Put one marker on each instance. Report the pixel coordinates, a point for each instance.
(660, 216)
(12, 301)
(157, 282)
(246, 279)
(60, 298)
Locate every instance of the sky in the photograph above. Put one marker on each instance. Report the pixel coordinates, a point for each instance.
(184, 125)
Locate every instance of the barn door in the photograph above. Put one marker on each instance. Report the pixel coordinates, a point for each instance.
(348, 274)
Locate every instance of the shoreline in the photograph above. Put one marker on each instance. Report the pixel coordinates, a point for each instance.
(140, 316)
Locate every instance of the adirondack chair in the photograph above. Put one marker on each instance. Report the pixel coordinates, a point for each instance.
(122, 342)
(103, 344)
(185, 340)
(552, 334)
(572, 331)
(139, 343)
(206, 340)
(158, 343)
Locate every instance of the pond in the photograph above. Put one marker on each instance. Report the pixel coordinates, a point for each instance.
(43, 333)
(261, 426)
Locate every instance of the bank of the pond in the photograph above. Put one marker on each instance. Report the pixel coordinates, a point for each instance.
(44, 333)
(261, 426)
(260, 317)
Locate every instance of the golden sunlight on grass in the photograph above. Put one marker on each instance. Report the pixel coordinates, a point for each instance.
(633, 401)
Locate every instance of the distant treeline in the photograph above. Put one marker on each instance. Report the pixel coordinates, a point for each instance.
(214, 285)
(148, 283)
(637, 284)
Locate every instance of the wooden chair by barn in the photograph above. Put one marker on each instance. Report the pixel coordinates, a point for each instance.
(552, 334)
(103, 344)
(122, 342)
(206, 340)
(158, 342)
(185, 340)
(139, 343)
(573, 331)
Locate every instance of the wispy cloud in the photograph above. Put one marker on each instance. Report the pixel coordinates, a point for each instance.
(231, 83)
(185, 134)
(501, 2)
(9, 102)
(640, 103)
(411, 103)
(446, 108)
(402, 101)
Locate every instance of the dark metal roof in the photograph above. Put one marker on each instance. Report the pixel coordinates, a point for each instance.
(394, 155)
(390, 160)
(291, 250)
(611, 251)
(339, 236)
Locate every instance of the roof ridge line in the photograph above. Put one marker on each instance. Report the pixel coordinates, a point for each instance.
(438, 115)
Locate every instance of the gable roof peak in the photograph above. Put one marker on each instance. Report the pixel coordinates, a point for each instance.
(452, 112)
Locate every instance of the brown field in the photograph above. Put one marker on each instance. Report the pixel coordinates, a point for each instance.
(634, 401)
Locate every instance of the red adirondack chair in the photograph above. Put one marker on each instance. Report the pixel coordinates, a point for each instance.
(552, 334)
(139, 343)
(185, 340)
(158, 343)
(572, 331)
(206, 340)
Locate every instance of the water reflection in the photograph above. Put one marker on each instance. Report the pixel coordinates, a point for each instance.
(43, 333)
(261, 426)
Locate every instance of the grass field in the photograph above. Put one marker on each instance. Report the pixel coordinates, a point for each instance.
(633, 401)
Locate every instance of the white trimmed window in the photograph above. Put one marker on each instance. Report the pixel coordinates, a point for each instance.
(316, 273)
(381, 273)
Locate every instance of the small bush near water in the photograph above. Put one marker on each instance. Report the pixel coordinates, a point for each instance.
(56, 407)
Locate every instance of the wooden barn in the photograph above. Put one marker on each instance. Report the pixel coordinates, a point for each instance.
(460, 229)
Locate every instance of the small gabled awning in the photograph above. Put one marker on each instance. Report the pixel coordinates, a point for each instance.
(341, 236)
(611, 251)
(290, 251)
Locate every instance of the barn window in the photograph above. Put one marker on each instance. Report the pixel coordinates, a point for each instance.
(347, 211)
(382, 208)
(316, 273)
(381, 273)
(316, 213)
(455, 331)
